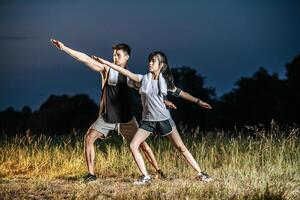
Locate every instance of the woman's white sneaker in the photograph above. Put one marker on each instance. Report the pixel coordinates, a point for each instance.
(143, 180)
(204, 177)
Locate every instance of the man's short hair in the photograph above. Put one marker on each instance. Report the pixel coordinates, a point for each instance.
(123, 47)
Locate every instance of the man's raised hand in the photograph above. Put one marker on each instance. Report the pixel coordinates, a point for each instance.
(57, 43)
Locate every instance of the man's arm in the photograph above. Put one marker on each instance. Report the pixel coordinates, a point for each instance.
(82, 57)
(180, 93)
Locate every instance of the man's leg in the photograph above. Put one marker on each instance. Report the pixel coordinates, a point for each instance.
(89, 149)
(99, 129)
(149, 155)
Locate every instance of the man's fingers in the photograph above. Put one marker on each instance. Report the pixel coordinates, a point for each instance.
(56, 43)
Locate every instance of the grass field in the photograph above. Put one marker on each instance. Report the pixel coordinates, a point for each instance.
(262, 165)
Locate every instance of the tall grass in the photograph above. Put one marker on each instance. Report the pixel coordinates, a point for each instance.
(258, 164)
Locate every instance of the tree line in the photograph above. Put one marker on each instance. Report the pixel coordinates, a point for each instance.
(253, 100)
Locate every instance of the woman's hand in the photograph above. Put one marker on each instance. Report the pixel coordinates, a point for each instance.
(203, 104)
(100, 60)
(57, 43)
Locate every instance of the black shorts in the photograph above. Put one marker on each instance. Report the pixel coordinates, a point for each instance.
(163, 128)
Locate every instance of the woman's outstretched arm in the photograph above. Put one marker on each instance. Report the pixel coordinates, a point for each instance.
(180, 93)
(82, 57)
(122, 70)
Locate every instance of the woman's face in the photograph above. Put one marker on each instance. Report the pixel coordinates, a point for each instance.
(154, 65)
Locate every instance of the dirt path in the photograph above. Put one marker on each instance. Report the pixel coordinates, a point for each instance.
(122, 188)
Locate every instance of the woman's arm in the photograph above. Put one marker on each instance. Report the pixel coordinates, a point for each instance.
(91, 63)
(180, 93)
(122, 70)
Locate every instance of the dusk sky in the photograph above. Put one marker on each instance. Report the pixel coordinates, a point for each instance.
(222, 40)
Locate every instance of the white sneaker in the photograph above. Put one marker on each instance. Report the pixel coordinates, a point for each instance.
(204, 177)
(143, 180)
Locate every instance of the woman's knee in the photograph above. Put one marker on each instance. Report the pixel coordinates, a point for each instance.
(133, 146)
(181, 148)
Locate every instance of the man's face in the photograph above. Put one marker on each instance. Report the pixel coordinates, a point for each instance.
(120, 57)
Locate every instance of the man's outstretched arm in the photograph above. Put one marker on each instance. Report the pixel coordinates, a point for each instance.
(82, 57)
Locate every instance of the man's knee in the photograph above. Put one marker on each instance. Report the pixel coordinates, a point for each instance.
(144, 146)
(91, 136)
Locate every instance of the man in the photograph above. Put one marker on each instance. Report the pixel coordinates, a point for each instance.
(115, 110)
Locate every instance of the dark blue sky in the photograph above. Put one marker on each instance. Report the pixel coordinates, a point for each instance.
(223, 40)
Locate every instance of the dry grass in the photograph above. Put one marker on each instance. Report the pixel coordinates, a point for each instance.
(265, 165)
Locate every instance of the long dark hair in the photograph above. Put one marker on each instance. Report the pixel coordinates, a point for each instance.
(165, 70)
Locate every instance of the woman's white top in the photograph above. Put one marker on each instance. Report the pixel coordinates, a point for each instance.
(152, 95)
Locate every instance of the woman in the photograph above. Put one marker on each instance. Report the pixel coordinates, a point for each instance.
(153, 88)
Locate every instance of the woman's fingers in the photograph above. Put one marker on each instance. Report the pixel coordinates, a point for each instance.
(97, 59)
(207, 106)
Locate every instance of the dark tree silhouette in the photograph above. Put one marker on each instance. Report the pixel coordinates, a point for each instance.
(292, 99)
(60, 114)
(12, 122)
(293, 74)
(257, 99)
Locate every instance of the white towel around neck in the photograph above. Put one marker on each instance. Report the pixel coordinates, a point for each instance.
(112, 77)
(146, 84)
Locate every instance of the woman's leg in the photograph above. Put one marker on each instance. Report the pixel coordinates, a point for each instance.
(175, 138)
(140, 136)
(128, 130)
